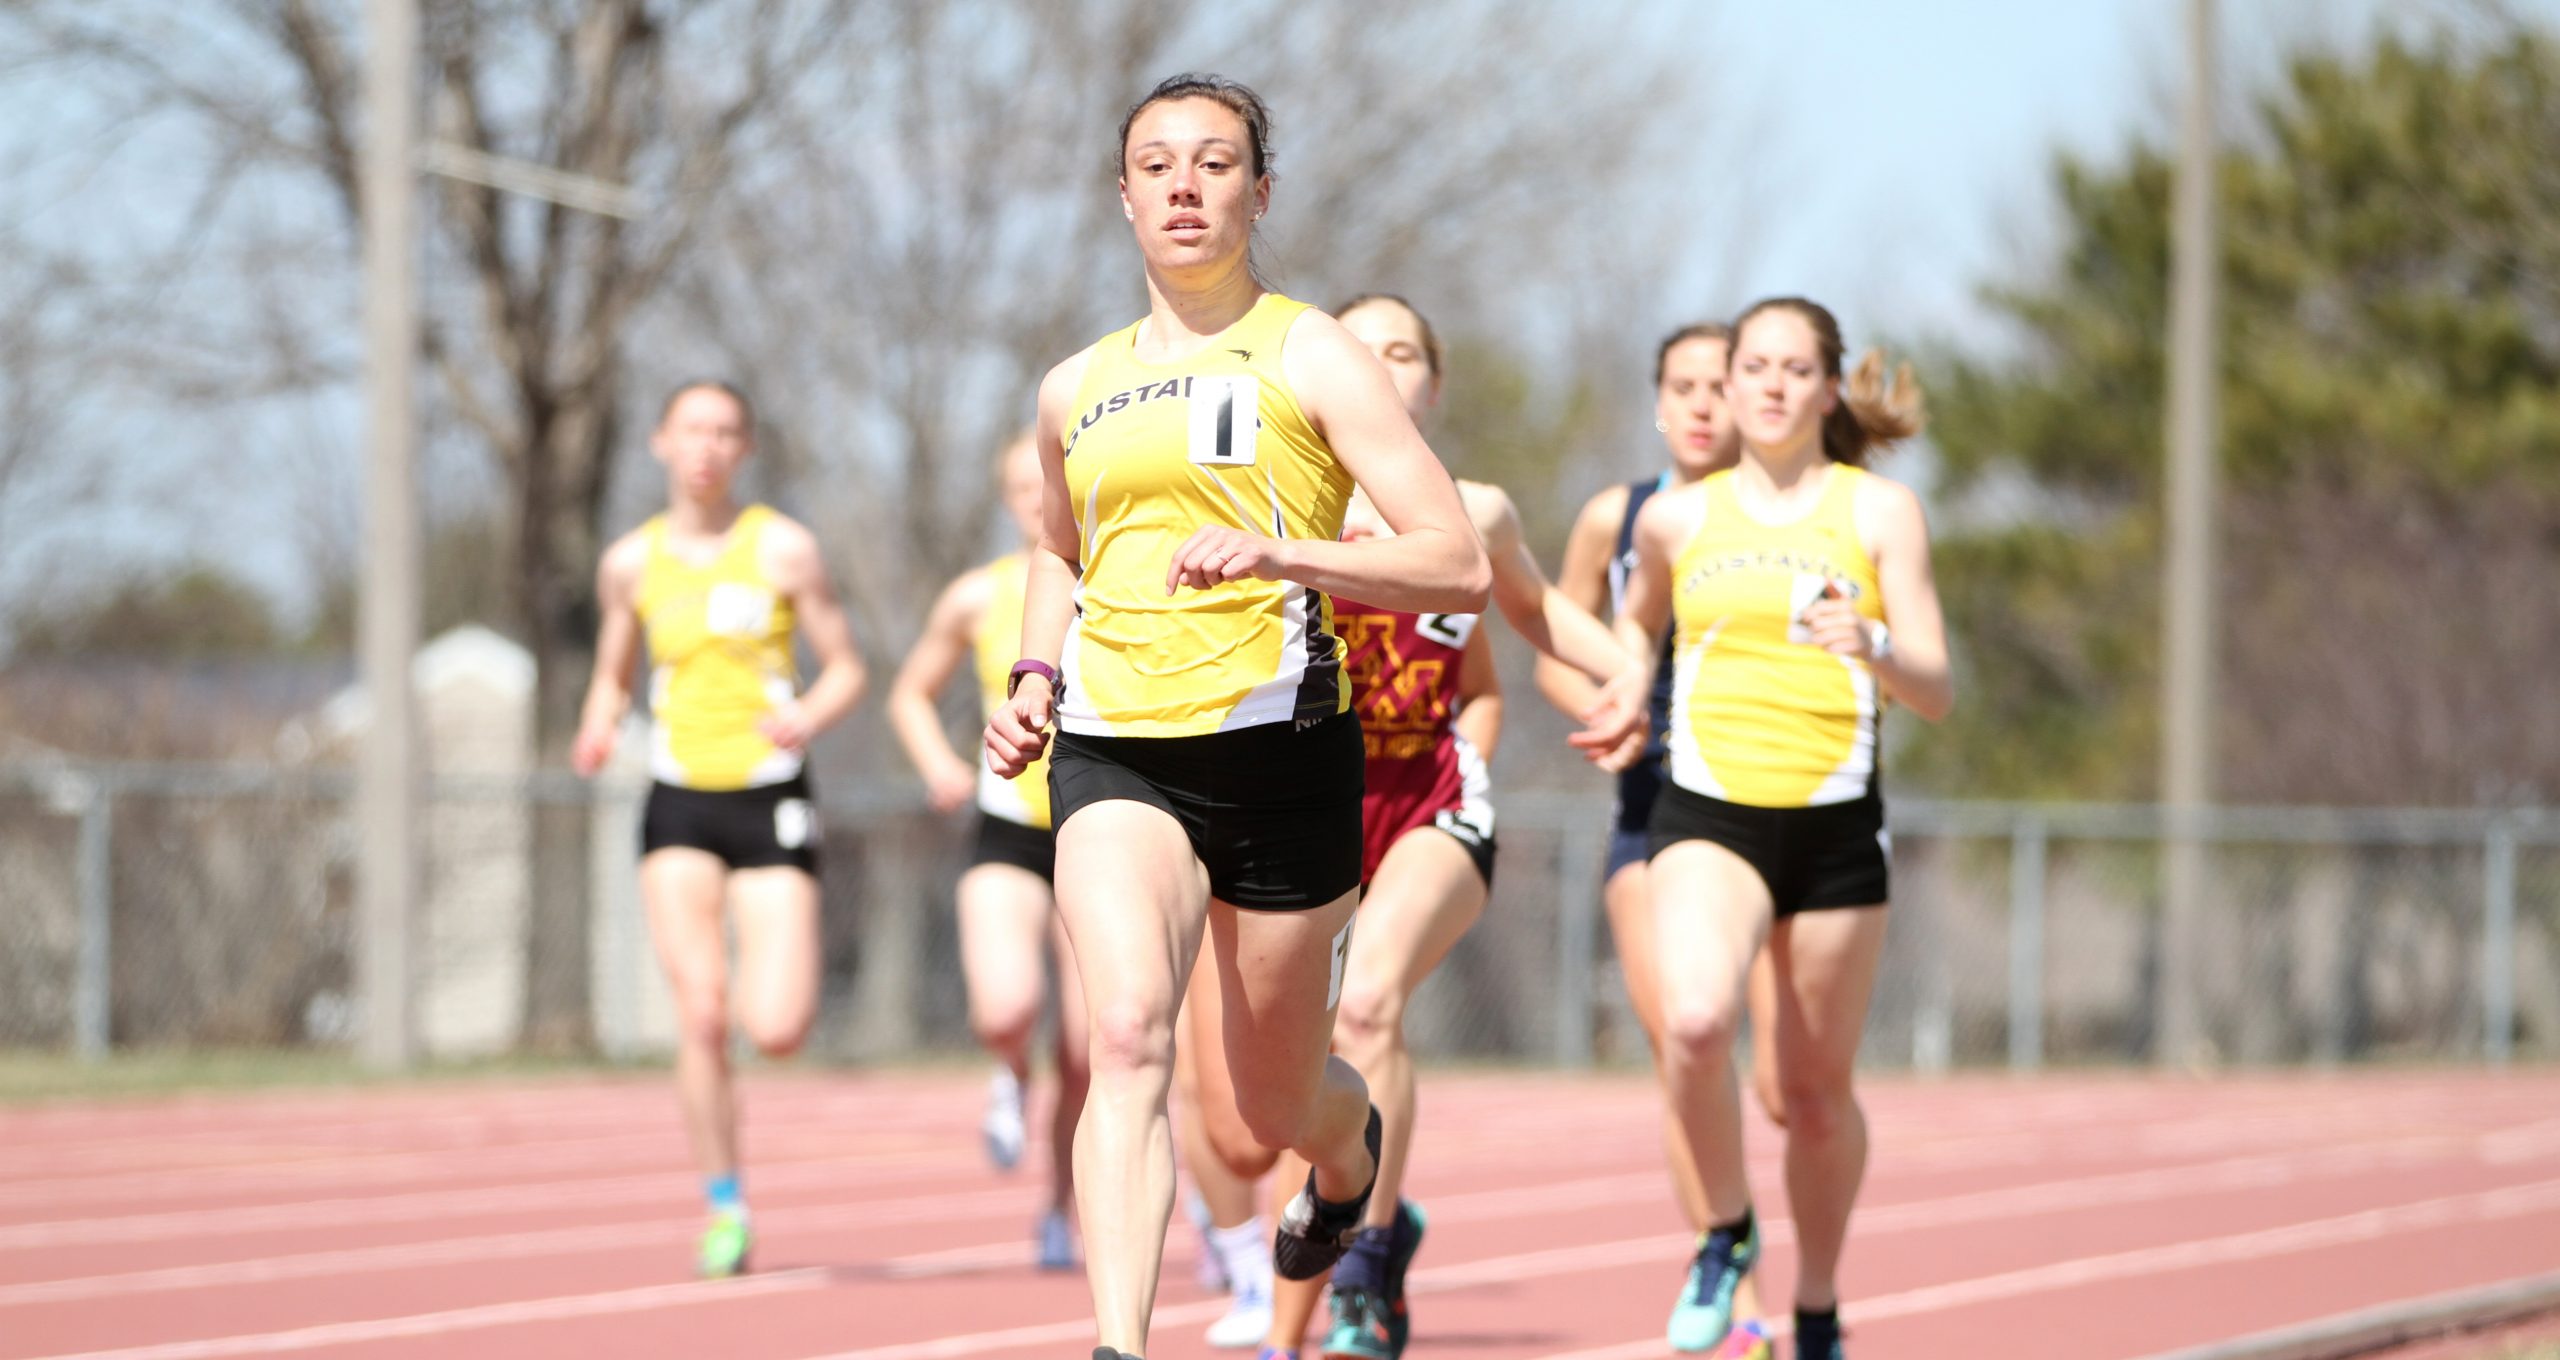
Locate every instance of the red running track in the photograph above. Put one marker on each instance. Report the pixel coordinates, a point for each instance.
(2112, 1216)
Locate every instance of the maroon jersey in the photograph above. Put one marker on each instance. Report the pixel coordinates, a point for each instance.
(1404, 686)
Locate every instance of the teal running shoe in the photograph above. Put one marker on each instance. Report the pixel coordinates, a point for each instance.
(1705, 1310)
(1360, 1329)
(1404, 1242)
(725, 1245)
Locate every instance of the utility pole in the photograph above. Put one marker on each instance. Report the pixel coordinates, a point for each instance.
(388, 774)
(2187, 595)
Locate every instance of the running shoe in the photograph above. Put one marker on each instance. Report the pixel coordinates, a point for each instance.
(1003, 1126)
(725, 1245)
(1248, 1318)
(1361, 1330)
(1314, 1233)
(1057, 1242)
(1748, 1341)
(1704, 1313)
(1404, 1242)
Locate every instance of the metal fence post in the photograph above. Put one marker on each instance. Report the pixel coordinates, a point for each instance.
(1577, 883)
(92, 989)
(2498, 943)
(2026, 944)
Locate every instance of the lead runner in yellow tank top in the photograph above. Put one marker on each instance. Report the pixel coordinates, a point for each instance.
(717, 591)
(1206, 775)
(1801, 590)
(1008, 913)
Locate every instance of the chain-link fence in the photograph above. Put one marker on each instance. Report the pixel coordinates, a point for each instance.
(162, 904)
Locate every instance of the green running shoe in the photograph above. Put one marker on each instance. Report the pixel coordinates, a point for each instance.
(724, 1246)
(1360, 1328)
(1705, 1310)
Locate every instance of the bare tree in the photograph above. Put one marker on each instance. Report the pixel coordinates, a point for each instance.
(944, 225)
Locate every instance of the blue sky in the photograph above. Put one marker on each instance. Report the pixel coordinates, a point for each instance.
(1932, 127)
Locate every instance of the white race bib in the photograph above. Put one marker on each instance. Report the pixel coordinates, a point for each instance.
(1226, 420)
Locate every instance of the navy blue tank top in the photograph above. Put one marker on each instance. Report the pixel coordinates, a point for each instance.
(1638, 783)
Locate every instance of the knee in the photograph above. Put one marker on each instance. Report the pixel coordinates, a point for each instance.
(1238, 1144)
(702, 1016)
(1773, 1099)
(1273, 1120)
(777, 1035)
(1126, 1037)
(1817, 1108)
(1371, 1018)
(1003, 1027)
(1699, 1030)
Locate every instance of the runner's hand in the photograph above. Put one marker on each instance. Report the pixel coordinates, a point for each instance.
(1019, 731)
(1217, 555)
(1613, 729)
(786, 729)
(951, 788)
(592, 749)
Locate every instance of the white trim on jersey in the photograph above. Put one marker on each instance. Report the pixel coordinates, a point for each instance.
(1857, 772)
(1276, 699)
(1688, 768)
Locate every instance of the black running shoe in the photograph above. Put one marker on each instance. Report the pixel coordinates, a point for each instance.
(1106, 1353)
(1314, 1232)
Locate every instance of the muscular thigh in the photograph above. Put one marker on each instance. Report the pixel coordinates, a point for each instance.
(1279, 976)
(1711, 909)
(1825, 966)
(1005, 916)
(776, 916)
(684, 891)
(1133, 896)
(1426, 895)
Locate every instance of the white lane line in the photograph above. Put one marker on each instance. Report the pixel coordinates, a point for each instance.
(2508, 1202)
(2257, 1171)
(602, 1237)
(418, 1205)
(2342, 1230)
(614, 1301)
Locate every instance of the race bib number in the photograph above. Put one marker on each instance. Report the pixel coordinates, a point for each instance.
(1226, 420)
(733, 610)
(1449, 630)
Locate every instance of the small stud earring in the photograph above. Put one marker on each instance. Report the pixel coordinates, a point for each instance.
(1660, 428)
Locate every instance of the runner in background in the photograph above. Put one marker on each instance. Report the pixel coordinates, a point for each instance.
(1009, 926)
(729, 836)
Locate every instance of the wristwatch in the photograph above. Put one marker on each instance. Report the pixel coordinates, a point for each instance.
(1879, 642)
(1030, 666)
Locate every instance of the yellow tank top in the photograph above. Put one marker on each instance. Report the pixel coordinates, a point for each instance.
(719, 658)
(1759, 714)
(1023, 799)
(1155, 452)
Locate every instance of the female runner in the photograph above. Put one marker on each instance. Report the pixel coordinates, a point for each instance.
(1178, 628)
(1428, 702)
(719, 589)
(1803, 601)
(1008, 915)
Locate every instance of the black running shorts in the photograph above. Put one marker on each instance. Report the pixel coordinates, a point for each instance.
(762, 828)
(1024, 847)
(1273, 810)
(1812, 858)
